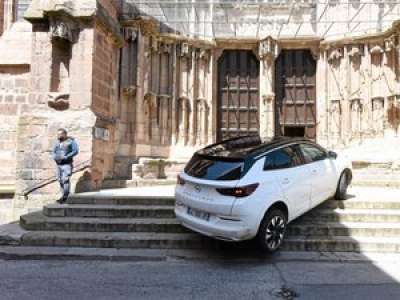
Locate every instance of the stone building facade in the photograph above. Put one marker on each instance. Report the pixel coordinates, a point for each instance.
(129, 90)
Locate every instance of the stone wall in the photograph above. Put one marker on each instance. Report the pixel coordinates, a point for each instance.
(14, 91)
(105, 102)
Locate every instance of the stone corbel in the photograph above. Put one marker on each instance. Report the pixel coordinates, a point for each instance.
(58, 101)
(268, 49)
(335, 54)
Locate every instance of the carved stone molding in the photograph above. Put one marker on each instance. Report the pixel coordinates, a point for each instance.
(129, 91)
(268, 49)
(335, 54)
(154, 44)
(166, 48)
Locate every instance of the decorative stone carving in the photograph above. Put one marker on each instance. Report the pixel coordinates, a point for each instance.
(129, 90)
(335, 54)
(355, 51)
(58, 101)
(154, 44)
(390, 44)
(315, 52)
(130, 34)
(204, 54)
(268, 49)
(166, 48)
(184, 50)
(60, 29)
(268, 98)
(376, 49)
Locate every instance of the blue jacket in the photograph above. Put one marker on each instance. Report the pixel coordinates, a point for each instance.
(64, 152)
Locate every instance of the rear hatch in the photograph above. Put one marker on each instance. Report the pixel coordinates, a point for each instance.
(204, 175)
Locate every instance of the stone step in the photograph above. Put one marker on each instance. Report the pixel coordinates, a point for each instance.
(38, 221)
(364, 229)
(116, 240)
(122, 200)
(361, 204)
(352, 215)
(342, 243)
(109, 211)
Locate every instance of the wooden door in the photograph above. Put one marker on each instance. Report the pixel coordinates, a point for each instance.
(295, 94)
(238, 94)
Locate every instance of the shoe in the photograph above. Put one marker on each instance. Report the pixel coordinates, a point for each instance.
(61, 201)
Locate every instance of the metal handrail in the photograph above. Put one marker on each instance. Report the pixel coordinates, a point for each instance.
(80, 167)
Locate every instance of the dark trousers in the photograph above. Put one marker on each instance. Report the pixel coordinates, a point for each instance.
(64, 173)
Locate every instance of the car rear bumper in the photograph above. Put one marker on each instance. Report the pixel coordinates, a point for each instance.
(216, 227)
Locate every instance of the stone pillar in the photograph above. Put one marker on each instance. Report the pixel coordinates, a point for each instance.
(268, 51)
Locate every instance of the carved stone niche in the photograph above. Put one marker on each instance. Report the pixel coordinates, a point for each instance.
(268, 49)
(335, 55)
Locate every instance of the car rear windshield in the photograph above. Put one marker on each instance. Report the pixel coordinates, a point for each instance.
(214, 169)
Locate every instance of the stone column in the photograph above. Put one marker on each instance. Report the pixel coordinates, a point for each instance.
(268, 51)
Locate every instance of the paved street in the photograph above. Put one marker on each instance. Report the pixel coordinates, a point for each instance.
(176, 279)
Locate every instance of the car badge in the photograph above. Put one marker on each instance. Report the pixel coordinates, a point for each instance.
(197, 188)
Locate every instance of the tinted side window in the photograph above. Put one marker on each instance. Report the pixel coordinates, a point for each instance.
(311, 153)
(281, 159)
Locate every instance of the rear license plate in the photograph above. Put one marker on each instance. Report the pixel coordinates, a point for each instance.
(198, 214)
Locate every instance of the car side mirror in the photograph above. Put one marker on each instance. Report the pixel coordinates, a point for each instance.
(332, 155)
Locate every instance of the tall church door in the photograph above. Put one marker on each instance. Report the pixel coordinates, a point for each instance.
(238, 94)
(295, 94)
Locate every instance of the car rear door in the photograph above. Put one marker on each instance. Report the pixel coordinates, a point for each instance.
(286, 165)
(322, 172)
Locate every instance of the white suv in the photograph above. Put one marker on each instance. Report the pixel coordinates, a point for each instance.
(242, 188)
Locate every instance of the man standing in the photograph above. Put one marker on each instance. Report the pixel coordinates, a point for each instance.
(63, 153)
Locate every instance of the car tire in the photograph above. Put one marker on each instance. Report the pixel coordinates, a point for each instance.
(272, 230)
(341, 189)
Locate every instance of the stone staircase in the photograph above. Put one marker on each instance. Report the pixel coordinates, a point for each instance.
(368, 221)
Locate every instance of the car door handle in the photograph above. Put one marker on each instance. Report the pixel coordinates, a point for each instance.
(314, 171)
(285, 181)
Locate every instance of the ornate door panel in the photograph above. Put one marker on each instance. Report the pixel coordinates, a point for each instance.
(238, 94)
(295, 106)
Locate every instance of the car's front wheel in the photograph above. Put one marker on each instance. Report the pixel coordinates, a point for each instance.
(272, 230)
(341, 190)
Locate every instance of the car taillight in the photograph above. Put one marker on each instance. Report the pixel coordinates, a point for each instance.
(180, 180)
(239, 192)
